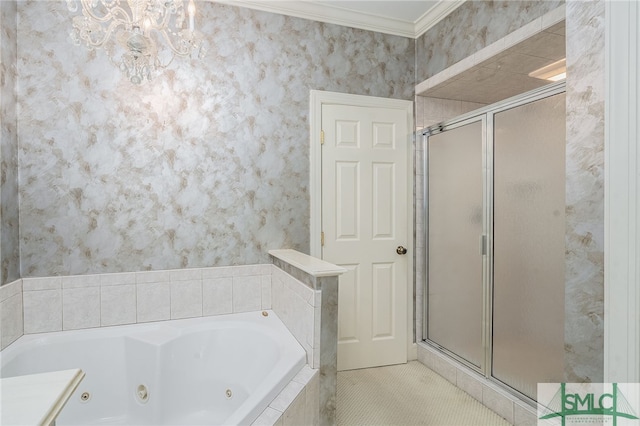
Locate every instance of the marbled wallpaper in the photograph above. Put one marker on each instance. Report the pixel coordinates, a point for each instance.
(584, 288)
(471, 27)
(9, 224)
(208, 165)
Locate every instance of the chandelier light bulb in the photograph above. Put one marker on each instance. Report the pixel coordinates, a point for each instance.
(192, 15)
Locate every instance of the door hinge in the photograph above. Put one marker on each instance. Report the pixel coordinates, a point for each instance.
(321, 137)
(322, 238)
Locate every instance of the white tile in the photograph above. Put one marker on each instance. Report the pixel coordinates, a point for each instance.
(9, 290)
(185, 274)
(247, 293)
(295, 414)
(153, 302)
(469, 383)
(460, 67)
(266, 291)
(305, 375)
(186, 299)
(523, 33)
(497, 402)
(80, 281)
(43, 283)
(287, 396)
(524, 415)
(312, 391)
(444, 368)
(118, 304)
(118, 278)
(302, 290)
(11, 320)
(217, 272)
(423, 86)
(247, 270)
(217, 296)
(268, 417)
(153, 277)
(314, 358)
(425, 356)
(42, 311)
(489, 52)
(80, 308)
(551, 18)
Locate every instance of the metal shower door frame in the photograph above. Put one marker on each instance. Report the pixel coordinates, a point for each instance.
(485, 114)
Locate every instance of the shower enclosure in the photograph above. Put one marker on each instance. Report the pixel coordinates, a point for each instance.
(495, 195)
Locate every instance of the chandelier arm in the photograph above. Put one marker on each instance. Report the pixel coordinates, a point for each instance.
(113, 12)
(106, 35)
(175, 49)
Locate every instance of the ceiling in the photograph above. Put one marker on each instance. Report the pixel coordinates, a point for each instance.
(404, 18)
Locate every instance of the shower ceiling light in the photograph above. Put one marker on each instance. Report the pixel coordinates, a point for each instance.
(137, 33)
(553, 72)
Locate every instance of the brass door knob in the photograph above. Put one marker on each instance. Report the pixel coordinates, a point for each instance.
(401, 250)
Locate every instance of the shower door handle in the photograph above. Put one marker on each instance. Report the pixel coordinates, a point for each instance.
(401, 250)
(483, 245)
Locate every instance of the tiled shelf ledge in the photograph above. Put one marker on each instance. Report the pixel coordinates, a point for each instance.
(521, 34)
(305, 266)
(490, 395)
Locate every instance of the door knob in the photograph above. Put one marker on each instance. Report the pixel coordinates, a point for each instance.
(401, 250)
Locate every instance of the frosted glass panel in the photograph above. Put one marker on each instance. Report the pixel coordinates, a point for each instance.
(529, 229)
(455, 226)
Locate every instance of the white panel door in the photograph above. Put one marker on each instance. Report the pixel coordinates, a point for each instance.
(364, 202)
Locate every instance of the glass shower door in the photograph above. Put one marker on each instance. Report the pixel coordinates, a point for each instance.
(455, 223)
(528, 244)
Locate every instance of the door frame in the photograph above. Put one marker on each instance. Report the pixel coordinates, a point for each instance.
(318, 98)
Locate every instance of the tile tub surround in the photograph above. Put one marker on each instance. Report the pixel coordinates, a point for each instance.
(11, 319)
(309, 286)
(85, 301)
(297, 404)
(493, 397)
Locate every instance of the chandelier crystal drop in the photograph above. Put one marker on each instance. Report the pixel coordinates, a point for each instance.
(140, 36)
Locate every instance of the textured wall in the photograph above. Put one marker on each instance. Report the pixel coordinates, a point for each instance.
(205, 166)
(584, 290)
(9, 236)
(471, 27)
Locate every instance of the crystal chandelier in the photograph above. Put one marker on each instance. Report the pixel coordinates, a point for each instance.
(139, 29)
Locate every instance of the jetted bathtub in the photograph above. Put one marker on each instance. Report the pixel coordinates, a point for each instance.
(211, 370)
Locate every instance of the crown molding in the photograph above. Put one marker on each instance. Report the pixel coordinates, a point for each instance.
(341, 16)
(435, 15)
